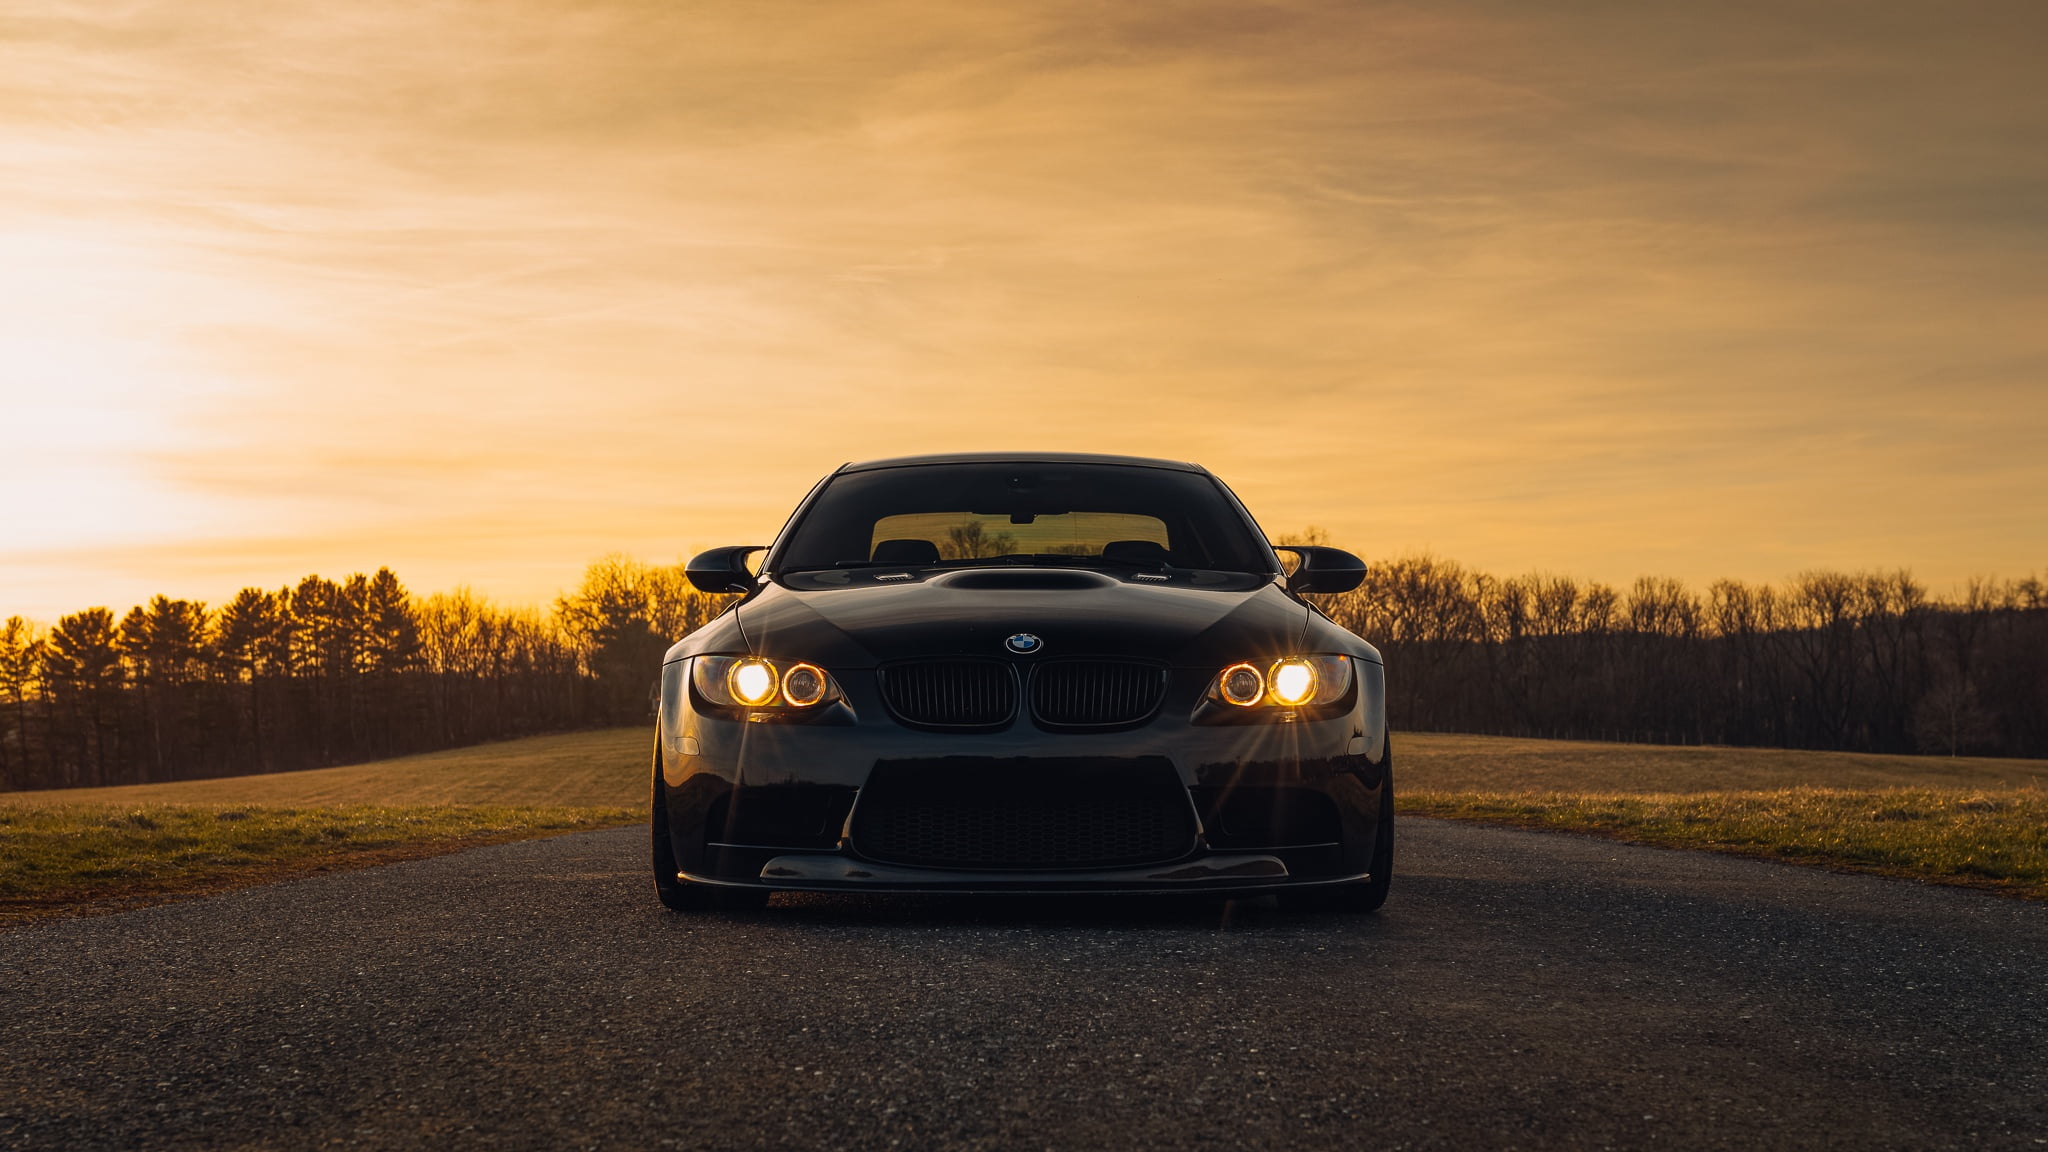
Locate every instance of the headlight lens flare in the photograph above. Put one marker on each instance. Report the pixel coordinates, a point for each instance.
(1292, 683)
(752, 682)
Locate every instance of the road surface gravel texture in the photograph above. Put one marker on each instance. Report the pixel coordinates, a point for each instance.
(1520, 990)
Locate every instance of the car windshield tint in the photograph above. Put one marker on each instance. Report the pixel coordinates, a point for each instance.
(964, 513)
(968, 535)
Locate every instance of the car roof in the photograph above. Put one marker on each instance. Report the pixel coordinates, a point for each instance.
(1021, 458)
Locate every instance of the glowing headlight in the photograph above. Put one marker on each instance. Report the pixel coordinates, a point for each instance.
(1293, 682)
(1283, 685)
(753, 682)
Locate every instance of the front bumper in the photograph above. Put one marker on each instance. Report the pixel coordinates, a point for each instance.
(1214, 873)
(771, 805)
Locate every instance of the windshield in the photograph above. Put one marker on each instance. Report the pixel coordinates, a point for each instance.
(963, 514)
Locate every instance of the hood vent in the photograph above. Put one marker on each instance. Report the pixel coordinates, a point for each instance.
(1025, 579)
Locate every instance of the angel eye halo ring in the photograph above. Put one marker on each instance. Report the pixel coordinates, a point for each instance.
(1242, 685)
(804, 685)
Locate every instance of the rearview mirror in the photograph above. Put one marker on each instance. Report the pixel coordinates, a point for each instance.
(723, 569)
(1320, 569)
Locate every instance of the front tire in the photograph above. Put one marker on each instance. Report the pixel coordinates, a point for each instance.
(1367, 895)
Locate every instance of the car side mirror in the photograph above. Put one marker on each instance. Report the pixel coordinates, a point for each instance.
(723, 569)
(1320, 569)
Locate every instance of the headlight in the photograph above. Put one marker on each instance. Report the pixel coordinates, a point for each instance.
(804, 685)
(753, 682)
(1242, 685)
(1294, 682)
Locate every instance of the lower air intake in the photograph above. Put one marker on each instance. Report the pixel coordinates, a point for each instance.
(1038, 815)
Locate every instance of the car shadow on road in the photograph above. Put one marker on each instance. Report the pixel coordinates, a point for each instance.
(1120, 913)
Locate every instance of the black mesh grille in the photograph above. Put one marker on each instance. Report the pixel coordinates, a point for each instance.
(950, 693)
(1095, 693)
(1071, 834)
(990, 815)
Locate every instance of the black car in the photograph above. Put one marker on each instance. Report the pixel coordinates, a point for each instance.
(1022, 673)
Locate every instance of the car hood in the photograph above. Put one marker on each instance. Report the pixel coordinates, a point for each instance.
(1074, 612)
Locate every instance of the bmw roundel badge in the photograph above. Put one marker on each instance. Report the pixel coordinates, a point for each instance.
(1023, 643)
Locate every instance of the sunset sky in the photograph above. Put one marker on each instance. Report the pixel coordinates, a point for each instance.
(481, 291)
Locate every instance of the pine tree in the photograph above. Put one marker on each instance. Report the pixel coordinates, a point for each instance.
(84, 669)
(21, 666)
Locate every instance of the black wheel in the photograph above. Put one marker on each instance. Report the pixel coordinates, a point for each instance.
(680, 895)
(1368, 895)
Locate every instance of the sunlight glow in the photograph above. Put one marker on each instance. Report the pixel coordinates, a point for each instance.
(87, 396)
(291, 287)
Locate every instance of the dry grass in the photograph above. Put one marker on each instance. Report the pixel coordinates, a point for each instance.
(1978, 823)
(68, 859)
(91, 850)
(1977, 839)
(607, 768)
(1428, 761)
(1973, 821)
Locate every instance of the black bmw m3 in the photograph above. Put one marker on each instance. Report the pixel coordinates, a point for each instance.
(1022, 673)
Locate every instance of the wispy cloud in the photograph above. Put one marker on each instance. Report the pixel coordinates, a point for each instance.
(1722, 289)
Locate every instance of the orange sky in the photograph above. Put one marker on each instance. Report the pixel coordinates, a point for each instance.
(484, 290)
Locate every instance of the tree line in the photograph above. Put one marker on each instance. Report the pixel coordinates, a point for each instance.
(326, 672)
(1854, 661)
(330, 672)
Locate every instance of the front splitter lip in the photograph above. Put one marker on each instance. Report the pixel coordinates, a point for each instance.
(828, 872)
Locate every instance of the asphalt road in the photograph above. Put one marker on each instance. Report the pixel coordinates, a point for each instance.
(1519, 990)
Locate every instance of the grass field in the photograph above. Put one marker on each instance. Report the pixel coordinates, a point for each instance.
(1968, 837)
(63, 858)
(606, 768)
(1430, 762)
(104, 849)
(609, 769)
(1975, 822)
